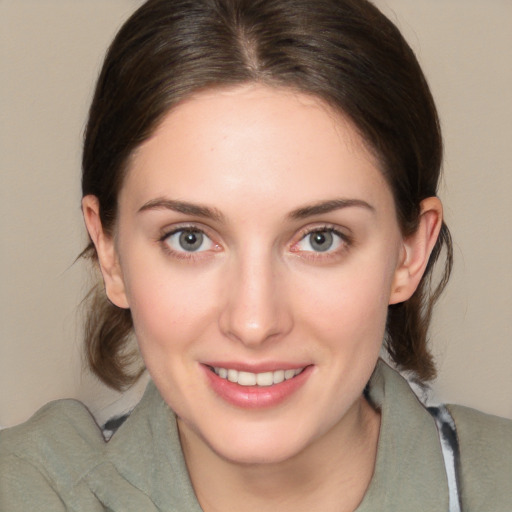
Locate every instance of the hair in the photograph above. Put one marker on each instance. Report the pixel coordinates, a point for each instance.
(345, 52)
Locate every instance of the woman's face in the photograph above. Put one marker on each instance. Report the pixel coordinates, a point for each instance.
(258, 250)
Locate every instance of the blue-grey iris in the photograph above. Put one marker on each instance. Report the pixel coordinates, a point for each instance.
(191, 240)
(321, 241)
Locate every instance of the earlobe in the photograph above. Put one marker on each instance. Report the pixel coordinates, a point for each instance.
(416, 250)
(106, 251)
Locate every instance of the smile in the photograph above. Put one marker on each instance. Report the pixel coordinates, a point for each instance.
(263, 379)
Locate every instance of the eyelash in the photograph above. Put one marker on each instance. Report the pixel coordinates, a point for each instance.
(183, 255)
(345, 240)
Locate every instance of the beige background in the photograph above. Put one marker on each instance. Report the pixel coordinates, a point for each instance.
(50, 54)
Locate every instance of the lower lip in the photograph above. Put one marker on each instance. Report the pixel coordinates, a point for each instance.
(255, 397)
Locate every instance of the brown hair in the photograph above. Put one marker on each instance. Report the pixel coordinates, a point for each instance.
(343, 51)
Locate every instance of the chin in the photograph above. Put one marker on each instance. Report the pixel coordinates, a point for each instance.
(250, 454)
(260, 443)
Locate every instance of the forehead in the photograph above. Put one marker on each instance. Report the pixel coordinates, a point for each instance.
(254, 143)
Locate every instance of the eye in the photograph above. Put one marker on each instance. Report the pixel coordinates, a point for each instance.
(188, 240)
(321, 240)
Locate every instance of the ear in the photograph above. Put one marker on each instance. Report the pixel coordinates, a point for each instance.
(416, 250)
(106, 250)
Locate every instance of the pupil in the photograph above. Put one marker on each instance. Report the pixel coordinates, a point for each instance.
(191, 240)
(321, 241)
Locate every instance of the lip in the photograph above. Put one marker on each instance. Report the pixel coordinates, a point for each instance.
(255, 397)
(269, 366)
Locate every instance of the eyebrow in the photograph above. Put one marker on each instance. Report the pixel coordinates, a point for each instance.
(329, 206)
(198, 210)
(184, 207)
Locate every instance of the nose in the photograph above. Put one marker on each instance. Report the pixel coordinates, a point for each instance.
(256, 308)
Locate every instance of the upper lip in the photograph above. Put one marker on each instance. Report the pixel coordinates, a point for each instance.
(255, 367)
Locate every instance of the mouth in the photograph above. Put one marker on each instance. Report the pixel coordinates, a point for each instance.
(263, 379)
(256, 390)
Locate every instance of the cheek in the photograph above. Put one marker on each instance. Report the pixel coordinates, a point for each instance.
(169, 306)
(355, 295)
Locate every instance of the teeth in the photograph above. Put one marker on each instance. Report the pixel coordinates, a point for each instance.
(278, 376)
(256, 379)
(246, 379)
(265, 379)
(289, 374)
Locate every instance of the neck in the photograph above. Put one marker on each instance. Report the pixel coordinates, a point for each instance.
(330, 474)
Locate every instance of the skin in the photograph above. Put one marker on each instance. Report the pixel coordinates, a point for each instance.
(258, 292)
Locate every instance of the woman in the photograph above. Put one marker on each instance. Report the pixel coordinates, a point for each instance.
(259, 187)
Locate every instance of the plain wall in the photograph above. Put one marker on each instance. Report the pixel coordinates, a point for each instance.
(50, 53)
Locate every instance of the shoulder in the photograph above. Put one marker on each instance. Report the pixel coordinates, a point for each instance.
(52, 428)
(47, 453)
(59, 461)
(485, 444)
